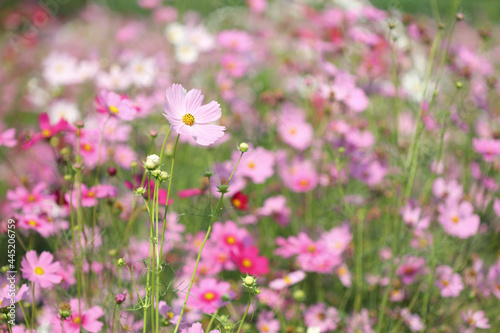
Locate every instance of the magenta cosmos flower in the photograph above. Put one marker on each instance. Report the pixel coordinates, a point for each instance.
(41, 271)
(187, 116)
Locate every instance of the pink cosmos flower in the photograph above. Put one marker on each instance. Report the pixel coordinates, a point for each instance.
(337, 239)
(124, 155)
(295, 133)
(41, 271)
(88, 196)
(322, 318)
(458, 219)
(489, 148)
(207, 294)
(234, 64)
(359, 322)
(449, 284)
(288, 280)
(268, 323)
(301, 176)
(257, 6)
(36, 223)
(187, 116)
(5, 293)
(87, 319)
(235, 40)
(475, 319)
(412, 217)
(277, 208)
(8, 138)
(190, 192)
(413, 321)
(344, 275)
(229, 236)
(28, 200)
(410, 269)
(248, 261)
(48, 130)
(449, 191)
(111, 103)
(196, 328)
(256, 164)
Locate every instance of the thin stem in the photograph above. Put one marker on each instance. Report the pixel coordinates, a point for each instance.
(207, 234)
(245, 314)
(212, 320)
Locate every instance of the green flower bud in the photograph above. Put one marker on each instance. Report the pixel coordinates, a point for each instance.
(243, 147)
(120, 262)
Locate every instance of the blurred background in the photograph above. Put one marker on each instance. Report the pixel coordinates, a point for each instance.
(479, 12)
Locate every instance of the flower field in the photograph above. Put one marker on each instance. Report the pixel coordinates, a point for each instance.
(263, 166)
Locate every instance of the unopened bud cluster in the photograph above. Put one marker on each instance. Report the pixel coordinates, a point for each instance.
(250, 282)
(152, 165)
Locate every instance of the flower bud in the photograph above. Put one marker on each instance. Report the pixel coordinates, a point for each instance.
(133, 164)
(67, 177)
(153, 133)
(163, 176)
(152, 161)
(64, 310)
(459, 84)
(120, 262)
(460, 16)
(299, 295)
(223, 188)
(156, 173)
(208, 174)
(140, 190)
(112, 171)
(249, 281)
(120, 298)
(79, 123)
(243, 147)
(226, 297)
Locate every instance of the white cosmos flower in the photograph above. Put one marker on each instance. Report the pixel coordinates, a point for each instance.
(186, 53)
(175, 33)
(62, 109)
(142, 71)
(59, 69)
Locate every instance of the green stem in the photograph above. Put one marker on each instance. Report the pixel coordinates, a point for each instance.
(207, 234)
(212, 320)
(245, 314)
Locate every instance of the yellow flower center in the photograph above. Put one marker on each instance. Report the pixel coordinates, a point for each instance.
(170, 315)
(87, 147)
(76, 320)
(265, 328)
(287, 279)
(32, 223)
(342, 270)
(446, 283)
(39, 271)
(247, 263)
(293, 131)
(188, 119)
(311, 248)
(31, 198)
(236, 203)
(230, 240)
(113, 109)
(209, 296)
(455, 219)
(90, 194)
(46, 133)
(251, 165)
(304, 182)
